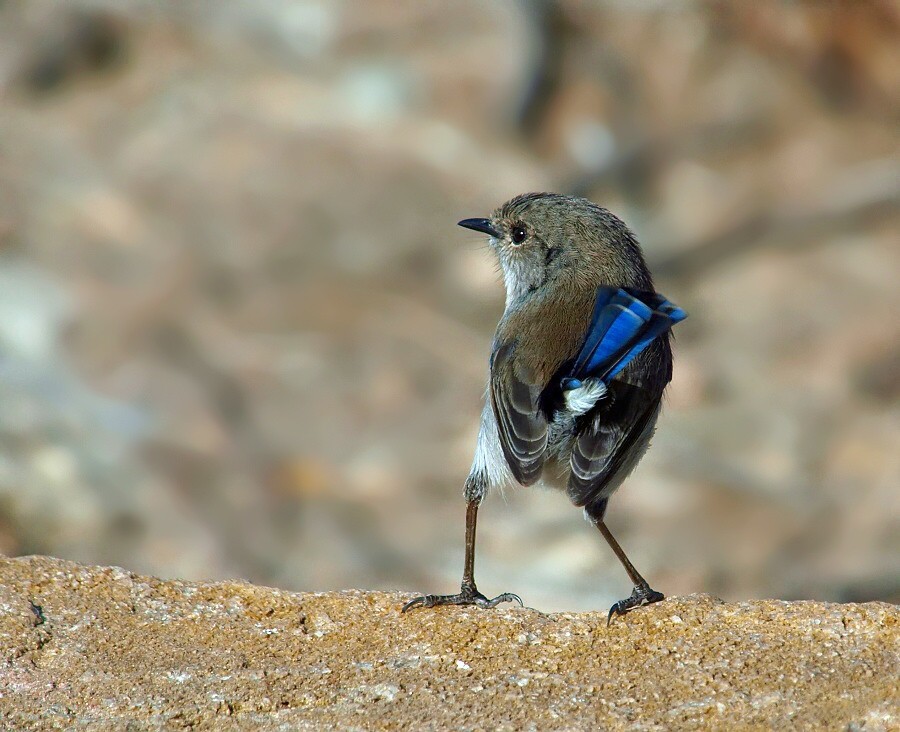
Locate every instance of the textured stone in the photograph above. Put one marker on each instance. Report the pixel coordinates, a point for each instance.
(98, 647)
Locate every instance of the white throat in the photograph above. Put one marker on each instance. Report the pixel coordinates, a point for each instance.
(515, 281)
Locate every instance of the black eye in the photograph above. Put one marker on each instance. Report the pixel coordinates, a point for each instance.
(518, 234)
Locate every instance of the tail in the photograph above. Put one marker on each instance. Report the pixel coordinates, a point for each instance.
(623, 324)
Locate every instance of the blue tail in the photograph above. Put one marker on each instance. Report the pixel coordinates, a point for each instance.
(623, 324)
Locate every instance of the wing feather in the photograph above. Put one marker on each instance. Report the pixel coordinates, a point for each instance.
(608, 448)
(521, 423)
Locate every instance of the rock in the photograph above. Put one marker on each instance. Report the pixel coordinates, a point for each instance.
(99, 648)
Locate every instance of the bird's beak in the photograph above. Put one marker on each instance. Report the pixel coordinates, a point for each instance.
(482, 225)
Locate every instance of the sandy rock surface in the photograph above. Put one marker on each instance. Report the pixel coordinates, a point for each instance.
(101, 648)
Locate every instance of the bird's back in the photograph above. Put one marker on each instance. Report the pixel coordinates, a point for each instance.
(590, 454)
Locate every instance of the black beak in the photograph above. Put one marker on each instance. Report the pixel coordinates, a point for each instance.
(482, 225)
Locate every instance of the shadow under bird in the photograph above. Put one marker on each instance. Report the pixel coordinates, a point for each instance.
(578, 366)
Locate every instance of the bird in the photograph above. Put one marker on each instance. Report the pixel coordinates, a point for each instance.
(579, 363)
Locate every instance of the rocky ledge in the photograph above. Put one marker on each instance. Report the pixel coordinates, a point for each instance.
(101, 648)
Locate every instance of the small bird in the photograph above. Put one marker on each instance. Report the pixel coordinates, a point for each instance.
(578, 366)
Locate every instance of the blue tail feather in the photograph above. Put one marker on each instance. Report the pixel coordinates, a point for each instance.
(623, 324)
(655, 301)
(672, 311)
(659, 324)
(617, 318)
(594, 334)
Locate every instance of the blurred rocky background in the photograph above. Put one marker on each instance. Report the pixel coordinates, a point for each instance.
(241, 335)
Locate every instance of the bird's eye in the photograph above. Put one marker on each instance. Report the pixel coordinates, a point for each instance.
(518, 234)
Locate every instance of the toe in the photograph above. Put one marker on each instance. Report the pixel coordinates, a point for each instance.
(505, 597)
(420, 601)
(509, 597)
(616, 609)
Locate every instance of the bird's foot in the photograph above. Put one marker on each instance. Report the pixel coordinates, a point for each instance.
(642, 595)
(468, 595)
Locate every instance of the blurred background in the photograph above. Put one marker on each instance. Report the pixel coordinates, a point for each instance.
(241, 334)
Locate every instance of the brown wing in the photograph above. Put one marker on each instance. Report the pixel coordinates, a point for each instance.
(515, 393)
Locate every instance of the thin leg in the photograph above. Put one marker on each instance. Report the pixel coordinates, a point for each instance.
(643, 594)
(468, 592)
(468, 578)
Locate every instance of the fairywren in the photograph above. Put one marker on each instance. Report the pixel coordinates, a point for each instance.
(578, 366)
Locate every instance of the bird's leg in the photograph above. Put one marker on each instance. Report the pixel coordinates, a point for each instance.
(642, 594)
(468, 592)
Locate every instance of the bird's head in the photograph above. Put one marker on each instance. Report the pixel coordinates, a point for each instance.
(549, 239)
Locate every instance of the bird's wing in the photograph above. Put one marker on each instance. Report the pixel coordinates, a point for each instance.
(608, 447)
(522, 425)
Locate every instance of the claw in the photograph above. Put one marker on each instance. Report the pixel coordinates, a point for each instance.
(415, 602)
(616, 609)
(640, 596)
(507, 597)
